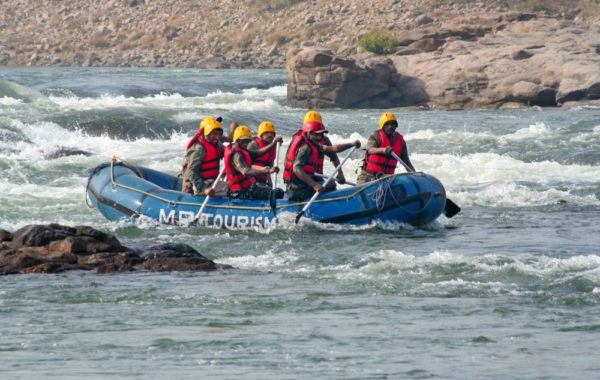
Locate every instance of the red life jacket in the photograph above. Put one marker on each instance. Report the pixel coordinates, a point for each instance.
(381, 163)
(265, 160)
(236, 180)
(209, 168)
(193, 140)
(310, 168)
(321, 158)
(197, 136)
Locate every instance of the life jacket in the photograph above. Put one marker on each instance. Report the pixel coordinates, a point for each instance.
(265, 160)
(192, 141)
(197, 136)
(382, 163)
(310, 168)
(236, 180)
(321, 157)
(209, 168)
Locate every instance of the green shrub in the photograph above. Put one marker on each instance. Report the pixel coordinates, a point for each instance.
(379, 41)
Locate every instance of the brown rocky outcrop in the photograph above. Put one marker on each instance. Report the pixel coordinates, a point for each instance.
(516, 60)
(452, 53)
(56, 248)
(319, 78)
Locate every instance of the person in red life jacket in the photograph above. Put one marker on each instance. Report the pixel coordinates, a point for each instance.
(202, 158)
(304, 159)
(333, 157)
(378, 160)
(265, 136)
(241, 175)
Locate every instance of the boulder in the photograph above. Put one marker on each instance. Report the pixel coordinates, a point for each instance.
(173, 257)
(320, 78)
(56, 248)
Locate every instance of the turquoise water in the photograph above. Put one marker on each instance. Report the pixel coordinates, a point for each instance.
(509, 288)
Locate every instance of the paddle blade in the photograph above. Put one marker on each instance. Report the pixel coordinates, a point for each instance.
(299, 216)
(451, 208)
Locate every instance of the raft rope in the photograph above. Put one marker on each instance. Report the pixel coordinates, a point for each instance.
(135, 169)
(379, 195)
(384, 189)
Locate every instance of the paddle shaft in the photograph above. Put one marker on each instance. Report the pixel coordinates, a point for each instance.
(329, 179)
(273, 195)
(214, 184)
(335, 179)
(408, 169)
(276, 165)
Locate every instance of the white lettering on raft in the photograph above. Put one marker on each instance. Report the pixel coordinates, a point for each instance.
(185, 218)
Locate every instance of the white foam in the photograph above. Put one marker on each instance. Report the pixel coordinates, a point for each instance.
(534, 131)
(269, 260)
(590, 137)
(252, 99)
(492, 178)
(8, 101)
(448, 135)
(388, 264)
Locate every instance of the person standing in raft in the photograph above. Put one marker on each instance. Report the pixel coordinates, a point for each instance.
(202, 159)
(241, 175)
(265, 136)
(378, 160)
(304, 159)
(333, 157)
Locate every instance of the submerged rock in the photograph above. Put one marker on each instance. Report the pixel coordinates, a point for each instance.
(65, 151)
(56, 248)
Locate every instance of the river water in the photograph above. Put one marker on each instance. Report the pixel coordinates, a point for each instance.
(507, 289)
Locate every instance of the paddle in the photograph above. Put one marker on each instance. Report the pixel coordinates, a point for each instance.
(450, 209)
(273, 195)
(316, 194)
(214, 184)
(335, 179)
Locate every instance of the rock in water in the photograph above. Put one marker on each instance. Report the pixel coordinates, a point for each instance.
(56, 248)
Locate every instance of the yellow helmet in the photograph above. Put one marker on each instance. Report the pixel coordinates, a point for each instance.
(204, 121)
(242, 132)
(210, 125)
(312, 116)
(265, 126)
(385, 117)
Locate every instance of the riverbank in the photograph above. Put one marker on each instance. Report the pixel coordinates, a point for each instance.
(229, 34)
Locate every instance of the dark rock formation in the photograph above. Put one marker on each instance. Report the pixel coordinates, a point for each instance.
(173, 256)
(55, 248)
(65, 151)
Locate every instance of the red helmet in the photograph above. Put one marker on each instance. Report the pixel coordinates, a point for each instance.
(313, 126)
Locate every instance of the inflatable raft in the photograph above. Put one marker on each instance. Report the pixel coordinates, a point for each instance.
(121, 191)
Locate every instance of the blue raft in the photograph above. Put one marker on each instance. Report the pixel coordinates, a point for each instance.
(122, 191)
